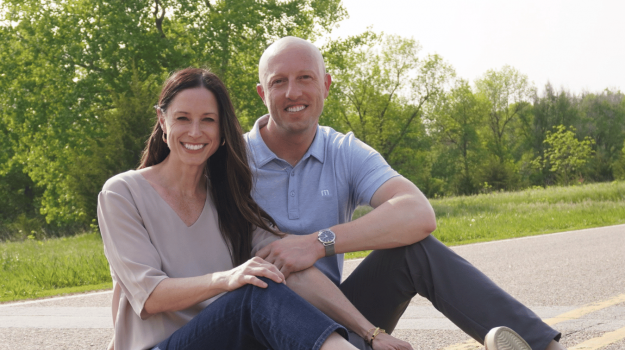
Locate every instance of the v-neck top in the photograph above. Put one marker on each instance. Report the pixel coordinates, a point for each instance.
(145, 242)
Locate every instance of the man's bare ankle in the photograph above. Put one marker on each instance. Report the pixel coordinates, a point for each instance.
(554, 345)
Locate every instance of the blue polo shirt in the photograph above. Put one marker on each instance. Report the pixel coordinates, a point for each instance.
(337, 174)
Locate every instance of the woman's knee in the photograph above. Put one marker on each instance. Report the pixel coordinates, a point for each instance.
(272, 291)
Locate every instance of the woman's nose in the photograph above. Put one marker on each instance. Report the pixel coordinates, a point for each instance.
(195, 129)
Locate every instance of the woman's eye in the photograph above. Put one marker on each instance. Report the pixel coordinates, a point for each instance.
(182, 118)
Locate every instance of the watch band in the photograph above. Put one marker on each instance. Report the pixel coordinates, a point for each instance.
(329, 249)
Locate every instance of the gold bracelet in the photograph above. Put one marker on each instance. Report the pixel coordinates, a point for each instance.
(376, 332)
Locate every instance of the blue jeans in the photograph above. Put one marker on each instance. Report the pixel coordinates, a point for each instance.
(255, 318)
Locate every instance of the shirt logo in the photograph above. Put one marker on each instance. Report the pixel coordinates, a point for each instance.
(325, 193)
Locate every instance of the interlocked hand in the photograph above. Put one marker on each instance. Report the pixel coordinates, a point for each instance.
(248, 273)
(292, 253)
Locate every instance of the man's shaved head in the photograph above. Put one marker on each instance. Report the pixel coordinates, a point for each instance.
(283, 45)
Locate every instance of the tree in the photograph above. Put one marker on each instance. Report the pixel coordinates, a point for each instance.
(565, 154)
(603, 119)
(75, 75)
(509, 93)
(456, 121)
(619, 165)
(381, 88)
(549, 109)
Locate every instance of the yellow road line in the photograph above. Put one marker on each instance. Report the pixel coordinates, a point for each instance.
(585, 310)
(567, 316)
(599, 342)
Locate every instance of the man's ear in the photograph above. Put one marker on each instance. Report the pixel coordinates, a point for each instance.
(261, 92)
(327, 81)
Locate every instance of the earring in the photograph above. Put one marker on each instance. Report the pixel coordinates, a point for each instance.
(165, 137)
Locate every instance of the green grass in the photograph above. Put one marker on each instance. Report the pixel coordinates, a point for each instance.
(35, 269)
(502, 215)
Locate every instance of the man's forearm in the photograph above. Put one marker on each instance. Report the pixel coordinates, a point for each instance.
(312, 285)
(402, 216)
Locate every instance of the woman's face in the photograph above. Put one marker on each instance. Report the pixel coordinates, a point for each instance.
(191, 123)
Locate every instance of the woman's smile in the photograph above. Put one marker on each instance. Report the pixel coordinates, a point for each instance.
(193, 146)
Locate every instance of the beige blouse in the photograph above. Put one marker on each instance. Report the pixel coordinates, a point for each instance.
(145, 242)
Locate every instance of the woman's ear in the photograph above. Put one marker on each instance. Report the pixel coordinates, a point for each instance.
(161, 120)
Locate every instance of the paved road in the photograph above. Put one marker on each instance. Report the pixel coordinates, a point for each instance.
(575, 280)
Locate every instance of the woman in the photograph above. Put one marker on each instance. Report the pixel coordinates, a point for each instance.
(181, 231)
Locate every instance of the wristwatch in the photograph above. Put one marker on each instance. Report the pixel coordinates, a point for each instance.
(327, 237)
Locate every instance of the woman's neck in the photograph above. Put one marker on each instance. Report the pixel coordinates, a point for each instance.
(187, 181)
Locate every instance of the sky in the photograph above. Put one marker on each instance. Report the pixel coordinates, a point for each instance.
(576, 45)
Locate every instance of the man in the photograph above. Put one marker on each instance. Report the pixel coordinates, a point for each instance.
(310, 179)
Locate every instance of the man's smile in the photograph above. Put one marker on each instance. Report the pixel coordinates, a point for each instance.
(296, 108)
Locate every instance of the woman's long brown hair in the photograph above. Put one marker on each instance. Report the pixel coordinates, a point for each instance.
(230, 177)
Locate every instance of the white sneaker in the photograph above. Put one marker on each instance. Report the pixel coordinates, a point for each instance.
(504, 338)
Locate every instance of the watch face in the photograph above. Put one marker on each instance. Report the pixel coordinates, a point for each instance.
(326, 236)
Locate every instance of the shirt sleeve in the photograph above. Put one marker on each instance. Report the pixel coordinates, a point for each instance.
(261, 238)
(127, 245)
(367, 169)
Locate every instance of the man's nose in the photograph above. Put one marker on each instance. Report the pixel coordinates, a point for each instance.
(293, 90)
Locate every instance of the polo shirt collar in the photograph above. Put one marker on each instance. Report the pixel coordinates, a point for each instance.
(262, 153)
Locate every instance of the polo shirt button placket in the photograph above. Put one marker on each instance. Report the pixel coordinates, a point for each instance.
(292, 201)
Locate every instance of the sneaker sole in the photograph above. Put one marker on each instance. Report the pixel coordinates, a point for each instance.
(503, 338)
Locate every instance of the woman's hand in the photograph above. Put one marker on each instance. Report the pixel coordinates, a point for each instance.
(248, 273)
(385, 341)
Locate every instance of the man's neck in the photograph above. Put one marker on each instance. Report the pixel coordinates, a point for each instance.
(288, 146)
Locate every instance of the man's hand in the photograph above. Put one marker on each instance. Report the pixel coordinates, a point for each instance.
(385, 341)
(293, 253)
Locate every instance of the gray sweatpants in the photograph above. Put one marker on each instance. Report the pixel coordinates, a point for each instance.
(383, 284)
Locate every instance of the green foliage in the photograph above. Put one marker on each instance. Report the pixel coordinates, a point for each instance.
(78, 78)
(508, 92)
(496, 176)
(619, 165)
(381, 88)
(549, 110)
(603, 119)
(566, 155)
(455, 121)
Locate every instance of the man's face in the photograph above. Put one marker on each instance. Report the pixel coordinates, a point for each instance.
(293, 88)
